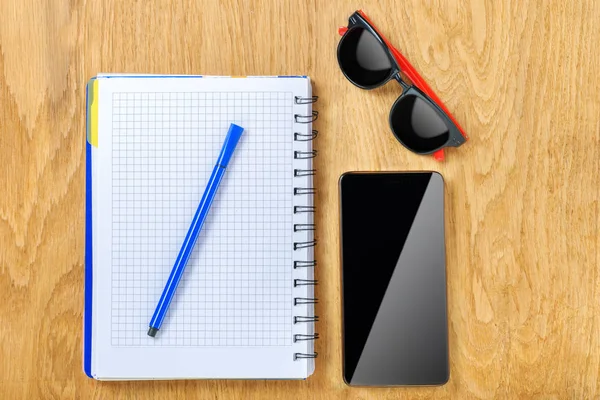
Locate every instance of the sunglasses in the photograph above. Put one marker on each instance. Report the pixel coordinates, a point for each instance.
(418, 118)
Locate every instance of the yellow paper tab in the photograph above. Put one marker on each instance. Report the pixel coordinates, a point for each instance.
(92, 112)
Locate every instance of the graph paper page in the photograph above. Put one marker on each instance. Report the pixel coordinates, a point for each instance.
(158, 141)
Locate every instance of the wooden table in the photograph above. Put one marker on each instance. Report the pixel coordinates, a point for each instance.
(523, 208)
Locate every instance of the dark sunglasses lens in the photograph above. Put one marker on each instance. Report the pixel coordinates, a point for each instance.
(363, 58)
(418, 125)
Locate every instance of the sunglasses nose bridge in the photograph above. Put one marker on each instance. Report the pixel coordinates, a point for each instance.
(399, 79)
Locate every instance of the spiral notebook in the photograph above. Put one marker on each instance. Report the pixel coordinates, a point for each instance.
(245, 306)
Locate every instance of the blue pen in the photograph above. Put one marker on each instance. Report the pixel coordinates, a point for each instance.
(233, 136)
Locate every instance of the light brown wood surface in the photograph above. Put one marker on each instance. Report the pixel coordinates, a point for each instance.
(522, 198)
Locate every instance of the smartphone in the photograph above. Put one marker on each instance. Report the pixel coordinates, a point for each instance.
(395, 325)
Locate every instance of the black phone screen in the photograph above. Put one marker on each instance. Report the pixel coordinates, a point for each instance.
(395, 328)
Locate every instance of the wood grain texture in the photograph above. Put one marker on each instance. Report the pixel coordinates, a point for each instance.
(522, 196)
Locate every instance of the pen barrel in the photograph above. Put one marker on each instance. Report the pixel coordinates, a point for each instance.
(231, 141)
(187, 247)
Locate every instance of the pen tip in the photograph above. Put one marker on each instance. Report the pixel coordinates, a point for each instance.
(152, 332)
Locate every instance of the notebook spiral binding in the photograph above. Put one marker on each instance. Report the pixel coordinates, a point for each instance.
(301, 337)
(303, 137)
(299, 191)
(304, 191)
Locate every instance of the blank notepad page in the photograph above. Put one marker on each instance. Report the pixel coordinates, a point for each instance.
(158, 141)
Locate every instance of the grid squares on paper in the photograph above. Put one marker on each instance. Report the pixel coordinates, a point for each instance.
(237, 287)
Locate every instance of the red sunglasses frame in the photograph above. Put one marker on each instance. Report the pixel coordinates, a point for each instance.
(415, 78)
